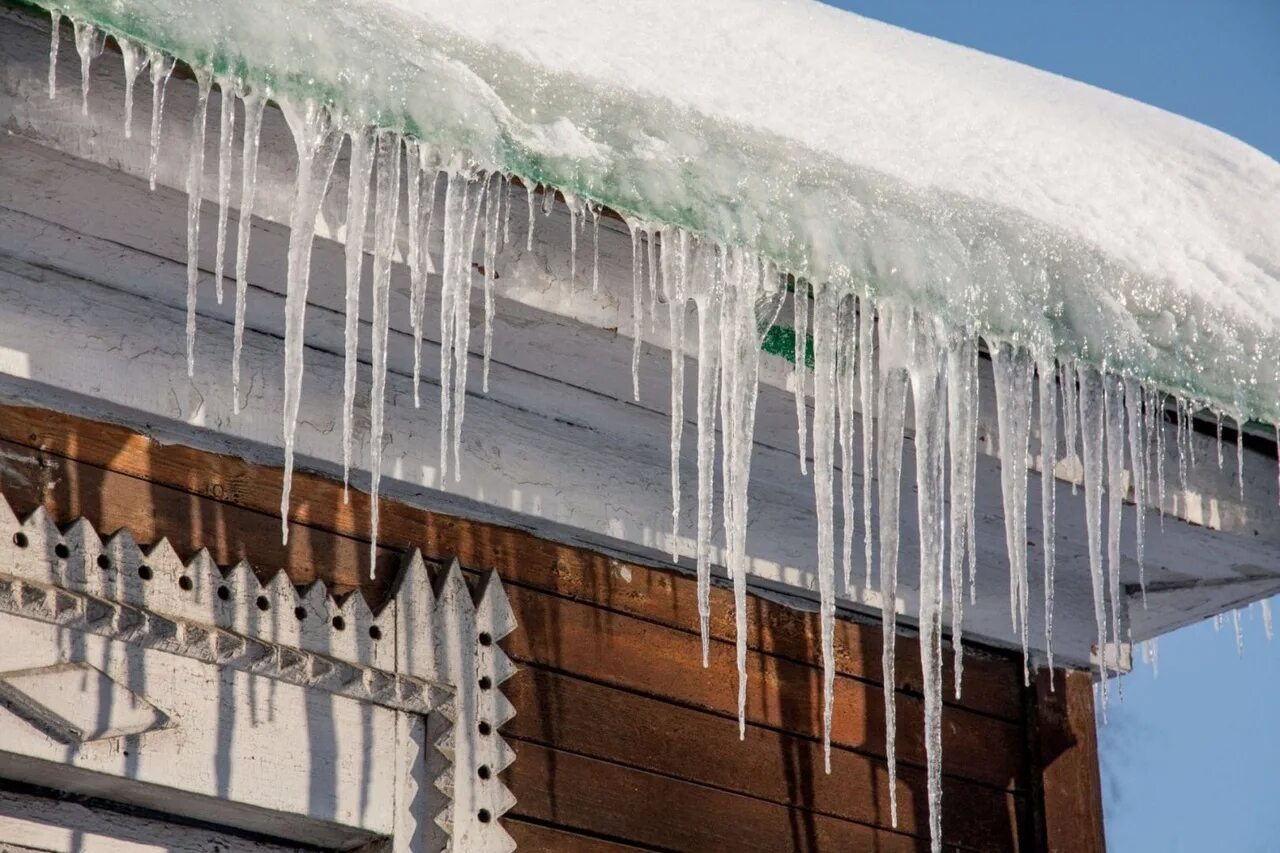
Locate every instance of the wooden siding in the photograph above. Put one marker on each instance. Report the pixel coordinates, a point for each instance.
(624, 740)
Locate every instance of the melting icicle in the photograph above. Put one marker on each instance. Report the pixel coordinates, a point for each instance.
(674, 281)
(846, 367)
(226, 127)
(195, 176)
(358, 178)
(651, 246)
(573, 248)
(866, 392)
(462, 324)
(1158, 409)
(317, 148)
(1113, 402)
(1218, 421)
(1012, 368)
(386, 214)
(418, 292)
(417, 269)
(1235, 621)
(1266, 619)
(929, 387)
(705, 292)
(89, 44)
(463, 198)
(490, 261)
(134, 61)
(637, 311)
(161, 68)
(800, 369)
(891, 404)
(962, 380)
(595, 249)
(825, 349)
(1048, 494)
(1091, 433)
(56, 20)
(254, 105)
(1138, 465)
(529, 234)
(1240, 455)
(1070, 413)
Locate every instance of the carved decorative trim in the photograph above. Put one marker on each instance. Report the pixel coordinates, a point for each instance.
(432, 651)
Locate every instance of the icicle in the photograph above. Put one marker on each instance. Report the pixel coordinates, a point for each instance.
(462, 323)
(161, 68)
(1138, 465)
(1092, 436)
(928, 371)
(573, 248)
(637, 311)
(706, 296)
(962, 379)
(892, 411)
(740, 368)
(134, 61)
(1183, 439)
(1113, 402)
(1070, 413)
(1012, 370)
(506, 213)
(89, 44)
(595, 249)
(56, 20)
(386, 214)
(1048, 494)
(548, 200)
(418, 295)
(677, 313)
(1155, 657)
(317, 148)
(1158, 409)
(254, 105)
(1266, 619)
(1235, 621)
(358, 179)
(529, 246)
(1219, 430)
(491, 235)
(846, 373)
(866, 392)
(416, 248)
(226, 127)
(651, 246)
(1217, 622)
(1240, 455)
(800, 369)
(825, 349)
(463, 199)
(195, 176)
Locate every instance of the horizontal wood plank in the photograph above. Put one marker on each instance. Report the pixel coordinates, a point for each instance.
(538, 838)
(599, 722)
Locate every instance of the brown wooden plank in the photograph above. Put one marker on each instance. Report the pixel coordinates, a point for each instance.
(112, 501)
(599, 722)
(581, 793)
(667, 597)
(638, 655)
(537, 838)
(1067, 785)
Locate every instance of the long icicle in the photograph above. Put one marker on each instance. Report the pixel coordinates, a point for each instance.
(637, 310)
(1113, 402)
(1092, 440)
(962, 378)
(1012, 368)
(846, 375)
(317, 149)
(825, 350)
(892, 403)
(673, 272)
(135, 59)
(462, 323)
(161, 67)
(358, 178)
(55, 17)
(1138, 466)
(1048, 493)
(386, 215)
(800, 368)
(455, 208)
(493, 204)
(226, 129)
(866, 393)
(413, 181)
(254, 105)
(1070, 416)
(89, 43)
(706, 296)
(418, 296)
(195, 177)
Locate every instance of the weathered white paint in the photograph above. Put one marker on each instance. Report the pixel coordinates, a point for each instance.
(139, 677)
(556, 444)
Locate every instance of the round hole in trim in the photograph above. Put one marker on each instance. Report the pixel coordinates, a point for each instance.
(104, 562)
(485, 682)
(144, 572)
(483, 816)
(224, 594)
(485, 728)
(375, 633)
(263, 603)
(486, 639)
(300, 612)
(62, 551)
(20, 539)
(483, 771)
(186, 584)
(339, 624)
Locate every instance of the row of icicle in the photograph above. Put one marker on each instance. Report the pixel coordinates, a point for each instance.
(865, 359)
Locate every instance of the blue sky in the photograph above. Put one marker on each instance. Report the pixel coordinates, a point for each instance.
(1191, 759)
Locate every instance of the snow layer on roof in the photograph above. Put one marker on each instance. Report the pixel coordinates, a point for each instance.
(1030, 207)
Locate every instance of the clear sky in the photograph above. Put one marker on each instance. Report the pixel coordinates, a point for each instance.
(1191, 759)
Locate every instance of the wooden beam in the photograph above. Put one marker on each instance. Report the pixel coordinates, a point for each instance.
(1066, 785)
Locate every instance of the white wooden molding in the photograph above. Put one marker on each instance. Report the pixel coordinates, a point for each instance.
(428, 662)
